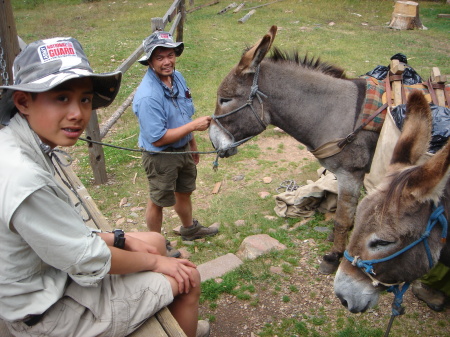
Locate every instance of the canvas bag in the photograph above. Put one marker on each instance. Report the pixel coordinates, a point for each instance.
(320, 195)
(383, 153)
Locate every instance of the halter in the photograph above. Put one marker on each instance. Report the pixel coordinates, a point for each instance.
(435, 217)
(367, 265)
(254, 92)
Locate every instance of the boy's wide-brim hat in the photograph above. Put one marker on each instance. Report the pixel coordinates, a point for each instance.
(44, 64)
(159, 39)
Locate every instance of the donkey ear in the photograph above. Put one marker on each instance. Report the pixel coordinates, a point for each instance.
(427, 181)
(416, 134)
(253, 57)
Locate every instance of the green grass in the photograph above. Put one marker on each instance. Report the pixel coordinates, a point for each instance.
(358, 41)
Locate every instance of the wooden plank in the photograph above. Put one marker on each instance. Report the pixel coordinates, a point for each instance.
(70, 176)
(216, 188)
(151, 327)
(444, 16)
(165, 318)
(397, 68)
(265, 4)
(437, 79)
(202, 6)
(161, 325)
(131, 59)
(116, 115)
(4, 332)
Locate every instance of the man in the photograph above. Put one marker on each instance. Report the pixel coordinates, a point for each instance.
(57, 276)
(163, 105)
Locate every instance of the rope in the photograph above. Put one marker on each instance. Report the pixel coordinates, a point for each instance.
(288, 186)
(142, 150)
(397, 308)
(215, 162)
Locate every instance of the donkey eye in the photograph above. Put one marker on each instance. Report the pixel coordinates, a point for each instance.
(223, 101)
(379, 243)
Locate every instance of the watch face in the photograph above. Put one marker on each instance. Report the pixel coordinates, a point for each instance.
(119, 238)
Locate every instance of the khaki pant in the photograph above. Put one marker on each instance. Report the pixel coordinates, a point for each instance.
(117, 307)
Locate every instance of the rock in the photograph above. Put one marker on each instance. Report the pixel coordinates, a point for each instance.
(267, 180)
(176, 230)
(184, 253)
(264, 194)
(218, 267)
(239, 223)
(215, 225)
(276, 270)
(257, 245)
(123, 201)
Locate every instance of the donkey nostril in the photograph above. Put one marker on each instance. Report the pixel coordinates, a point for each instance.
(344, 303)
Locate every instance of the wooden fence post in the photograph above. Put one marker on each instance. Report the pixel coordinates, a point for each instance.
(180, 25)
(9, 43)
(96, 153)
(175, 14)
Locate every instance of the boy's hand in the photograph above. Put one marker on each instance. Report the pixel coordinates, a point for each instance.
(179, 269)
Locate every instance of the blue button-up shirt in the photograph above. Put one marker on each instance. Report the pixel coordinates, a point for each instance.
(159, 108)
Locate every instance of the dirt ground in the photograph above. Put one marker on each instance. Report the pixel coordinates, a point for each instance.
(234, 317)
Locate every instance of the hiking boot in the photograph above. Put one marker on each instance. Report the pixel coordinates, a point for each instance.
(435, 299)
(203, 329)
(170, 251)
(196, 231)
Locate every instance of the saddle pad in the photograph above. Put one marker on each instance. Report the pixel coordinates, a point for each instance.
(374, 93)
(376, 97)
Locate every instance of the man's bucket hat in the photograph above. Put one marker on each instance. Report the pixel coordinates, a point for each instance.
(44, 64)
(159, 39)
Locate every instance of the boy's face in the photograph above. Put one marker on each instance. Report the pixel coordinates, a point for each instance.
(58, 116)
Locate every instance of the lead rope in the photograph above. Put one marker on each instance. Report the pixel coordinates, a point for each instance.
(397, 308)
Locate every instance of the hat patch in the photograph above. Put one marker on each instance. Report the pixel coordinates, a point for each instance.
(164, 36)
(50, 52)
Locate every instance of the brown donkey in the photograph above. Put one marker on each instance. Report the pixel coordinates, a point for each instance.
(396, 215)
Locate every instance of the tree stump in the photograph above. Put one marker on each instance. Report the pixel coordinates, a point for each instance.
(406, 16)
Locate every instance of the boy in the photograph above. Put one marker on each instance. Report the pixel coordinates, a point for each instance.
(57, 277)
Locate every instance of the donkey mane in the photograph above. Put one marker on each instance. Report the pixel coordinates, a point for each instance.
(396, 187)
(307, 62)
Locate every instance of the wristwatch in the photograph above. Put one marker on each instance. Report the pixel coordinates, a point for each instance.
(119, 238)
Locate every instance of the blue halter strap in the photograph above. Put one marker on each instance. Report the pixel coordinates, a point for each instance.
(435, 217)
(367, 265)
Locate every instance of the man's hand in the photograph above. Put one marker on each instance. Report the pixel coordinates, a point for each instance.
(201, 123)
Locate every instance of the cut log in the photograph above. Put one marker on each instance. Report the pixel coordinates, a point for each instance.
(406, 16)
(232, 5)
(247, 16)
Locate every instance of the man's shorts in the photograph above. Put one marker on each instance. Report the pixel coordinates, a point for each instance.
(119, 305)
(169, 173)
